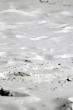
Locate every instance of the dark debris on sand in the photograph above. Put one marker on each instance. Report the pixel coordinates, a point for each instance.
(21, 74)
(17, 74)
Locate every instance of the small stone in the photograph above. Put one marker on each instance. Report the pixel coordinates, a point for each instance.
(59, 64)
(68, 79)
(28, 61)
(57, 68)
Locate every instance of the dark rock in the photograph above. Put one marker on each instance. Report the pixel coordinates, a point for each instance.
(68, 79)
(5, 92)
(59, 64)
(28, 61)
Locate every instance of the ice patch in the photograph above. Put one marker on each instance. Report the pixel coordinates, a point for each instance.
(2, 26)
(19, 36)
(2, 53)
(42, 22)
(35, 68)
(11, 62)
(21, 12)
(3, 75)
(33, 53)
(38, 57)
(44, 49)
(52, 51)
(23, 48)
(64, 56)
(39, 38)
(59, 26)
(49, 67)
(70, 99)
(65, 30)
(42, 78)
(23, 90)
(32, 99)
(15, 11)
(66, 13)
(11, 26)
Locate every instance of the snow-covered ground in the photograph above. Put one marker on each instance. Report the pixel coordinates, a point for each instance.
(36, 53)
